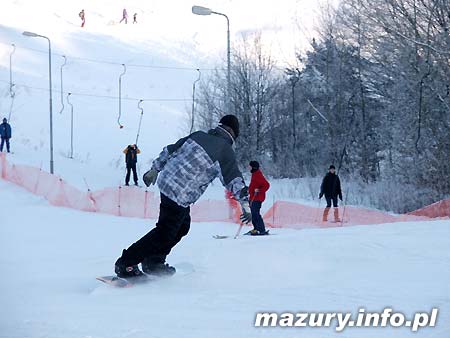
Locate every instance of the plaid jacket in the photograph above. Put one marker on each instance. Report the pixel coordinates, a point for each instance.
(193, 162)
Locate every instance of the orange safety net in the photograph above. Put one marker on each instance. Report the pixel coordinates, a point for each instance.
(438, 209)
(119, 201)
(137, 202)
(293, 215)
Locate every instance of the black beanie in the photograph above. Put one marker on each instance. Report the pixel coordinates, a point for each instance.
(232, 122)
(331, 167)
(254, 164)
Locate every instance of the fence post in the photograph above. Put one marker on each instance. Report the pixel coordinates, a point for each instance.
(89, 195)
(145, 203)
(118, 207)
(4, 164)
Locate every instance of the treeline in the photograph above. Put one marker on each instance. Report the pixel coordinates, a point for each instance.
(372, 96)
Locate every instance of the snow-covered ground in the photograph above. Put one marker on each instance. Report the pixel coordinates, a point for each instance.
(49, 258)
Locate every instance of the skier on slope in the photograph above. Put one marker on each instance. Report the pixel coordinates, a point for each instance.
(82, 17)
(257, 190)
(124, 16)
(185, 170)
(5, 134)
(331, 188)
(131, 153)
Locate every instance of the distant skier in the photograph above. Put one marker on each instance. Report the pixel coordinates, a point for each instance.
(134, 18)
(124, 16)
(257, 190)
(331, 188)
(131, 153)
(185, 170)
(82, 17)
(5, 134)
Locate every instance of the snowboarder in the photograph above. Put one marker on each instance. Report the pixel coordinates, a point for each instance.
(185, 170)
(124, 16)
(257, 190)
(331, 188)
(5, 134)
(131, 153)
(134, 18)
(82, 17)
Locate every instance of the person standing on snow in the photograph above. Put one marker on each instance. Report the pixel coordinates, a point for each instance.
(134, 18)
(183, 171)
(82, 17)
(124, 16)
(5, 134)
(331, 188)
(131, 153)
(257, 190)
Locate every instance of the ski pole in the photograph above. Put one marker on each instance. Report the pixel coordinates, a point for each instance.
(345, 205)
(239, 230)
(318, 210)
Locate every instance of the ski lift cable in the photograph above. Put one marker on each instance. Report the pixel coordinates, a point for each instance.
(11, 84)
(114, 62)
(140, 120)
(62, 90)
(12, 93)
(120, 95)
(103, 96)
(71, 124)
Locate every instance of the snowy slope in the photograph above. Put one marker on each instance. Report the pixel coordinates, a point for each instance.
(169, 39)
(98, 140)
(49, 258)
(165, 82)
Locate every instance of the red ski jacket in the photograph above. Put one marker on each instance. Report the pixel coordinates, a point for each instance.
(258, 187)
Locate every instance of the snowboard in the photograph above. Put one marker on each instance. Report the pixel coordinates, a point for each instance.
(123, 282)
(246, 234)
(114, 281)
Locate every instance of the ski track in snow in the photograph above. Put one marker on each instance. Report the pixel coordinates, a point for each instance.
(51, 256)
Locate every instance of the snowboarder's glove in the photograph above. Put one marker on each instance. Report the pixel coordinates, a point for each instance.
(246, 216)
(320, 195)
(340, 197)
(150, 177)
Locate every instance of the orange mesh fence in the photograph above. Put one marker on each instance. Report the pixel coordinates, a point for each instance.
(136, 202)
(293, 215)
(212, 211)
(438, 209)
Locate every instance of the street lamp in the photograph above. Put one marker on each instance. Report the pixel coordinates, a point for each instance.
(34, 35)
(199, 10)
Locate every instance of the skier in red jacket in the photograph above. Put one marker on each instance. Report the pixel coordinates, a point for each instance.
(257, 191)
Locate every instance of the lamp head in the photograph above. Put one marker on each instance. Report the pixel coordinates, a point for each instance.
(33, 35)
(199, 10)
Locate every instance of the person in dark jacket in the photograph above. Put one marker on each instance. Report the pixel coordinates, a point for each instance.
(5, 135)
(257, 190)
(131, 153)
(331, 188)
(183, 171)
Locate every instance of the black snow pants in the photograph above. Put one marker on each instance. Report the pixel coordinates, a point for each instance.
(130, 167)
(173, 224)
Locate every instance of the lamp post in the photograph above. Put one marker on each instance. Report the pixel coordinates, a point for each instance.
(199, 10)
(193, 101)
(34, 35)
(71, 125)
